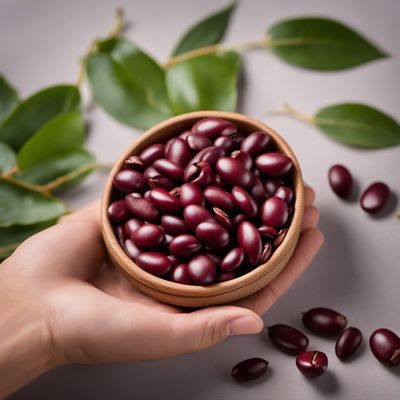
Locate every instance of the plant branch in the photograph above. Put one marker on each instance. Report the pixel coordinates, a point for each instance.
(242, 46)
(22, 184)
(292, 112)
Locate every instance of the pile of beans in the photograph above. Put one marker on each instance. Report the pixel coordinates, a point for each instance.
(205, 207)
(384, 345)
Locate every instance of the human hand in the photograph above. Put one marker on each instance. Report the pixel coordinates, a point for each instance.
(81, 309)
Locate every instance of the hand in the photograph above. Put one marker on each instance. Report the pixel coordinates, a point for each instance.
(81, 309)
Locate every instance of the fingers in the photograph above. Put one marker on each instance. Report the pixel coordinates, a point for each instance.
(309, 243)
(310, 218)
(309, 196)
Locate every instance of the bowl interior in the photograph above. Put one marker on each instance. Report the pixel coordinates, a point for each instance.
(161, 133)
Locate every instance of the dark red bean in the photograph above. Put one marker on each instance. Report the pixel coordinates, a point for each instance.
(256, 143)
(132, 225)
(142, 208)
(217, 181)
(150, 172)
(257, 190)
(233, 172)
(340, 180)
(266, 253)
(237, 140)
(148, 235)
(324, 321)
(117, 211)
(129, 181)
(267, 232)
(210, 154)
(385, 346)
(348, 343)
(243, 157)
(131, 249)
(152, 153)
(165, 201)
(146, 194)
(225, 276)
(202, 270)
(191, 194)
(213, 127)
(199, 173)
(312, 364)
(244, 201)
(255, 172)
(214, 258)
(185, 134)
(274, 212)
(285, 193)
(162, 182)
(233, 259)
(174, 260)
(223, 219)
(212, 234)
(249, 369)
(288, 339)
(179, 152)
(167, 240)
(180, 274)
(219, 198)
(238, 219)
(198, 142)
(134, 162)
(155, 263)
(121, 234)
(281, 237)
(194, 215)
(184, 245)
(375, 197)
(274, 165)
(173, 225)
(272, 185)
(226, 143)
(250, 241)
(169, 169)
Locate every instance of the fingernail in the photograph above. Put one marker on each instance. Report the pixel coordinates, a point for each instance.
(244, 326)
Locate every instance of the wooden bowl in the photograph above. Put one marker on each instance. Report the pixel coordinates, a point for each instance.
(218, 293)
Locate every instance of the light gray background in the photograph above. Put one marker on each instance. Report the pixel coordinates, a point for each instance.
(356, 272)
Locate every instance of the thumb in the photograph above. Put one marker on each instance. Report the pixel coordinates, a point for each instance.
(207, 327)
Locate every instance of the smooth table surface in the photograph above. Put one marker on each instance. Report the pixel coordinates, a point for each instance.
(358, 270)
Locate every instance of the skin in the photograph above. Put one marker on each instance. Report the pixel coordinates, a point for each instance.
(61, 302)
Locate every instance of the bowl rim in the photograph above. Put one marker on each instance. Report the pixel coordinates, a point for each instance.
(215, 289)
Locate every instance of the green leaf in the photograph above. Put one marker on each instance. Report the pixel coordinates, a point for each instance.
(204, 83)
(17, 234)
(321, 44)
(128, 84)
(8, 99)
(358, 125)
(20, 206)
(60, 135)
(36, 111)
(207, 32)
(52, 168)
(7, 157)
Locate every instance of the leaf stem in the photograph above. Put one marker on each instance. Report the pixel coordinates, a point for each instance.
(287, 109)
(22, 184)
(214, 48)
(115, 32)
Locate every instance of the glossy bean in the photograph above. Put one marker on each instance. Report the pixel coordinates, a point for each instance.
(213, 127)
(244, 201)
(147, 235)
(243, 157)
(274, 165)
(164, 201)
(191, 194)
(142, 208)
(117, 211)
(274, 212)
(272, 185)
(223, 219)
(385, 346)
(340, 180)
(375, 197)
(212, 234)
(285, 193)
(155, 263)
(312, 364)
(194, 215)
(324, 321)
(151, 154)
(162, 182)
(129, 181)
(226, 143)
(266, 253)
(134, 162)
(233, 259)
(198, 142)
(257, 191)
(249, 369)
(233, 172)
(169, 169)
(219, 198)
(280, 238)
(250, 241)
(173, 225)
(202, 270)
(179, 152)
(184, 245)
(288, 339)
(131, 225)
(267, 232)
(348, 343)
(180, 274)
(131, 249)
(199, 173)
(256, 143)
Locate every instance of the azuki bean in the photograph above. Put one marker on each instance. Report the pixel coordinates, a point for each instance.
(223, 219)
(211, 155)
(238, 219)
(168, 168)
(385, 346)
(129, 181)
(233, 172)
(233, 259)
(148, 235)
(150, 172)
(121, 234)
(250, 241)
(180, 274)
(272, 185)
(134, 162)
(280, 238)
(244, 201)
(184, 245)
(198, 142)
(152, 153)
(249, 369)
(243, 157)
(173, 225)
(161, 181)
(274, 212)
(217, 181)
(256, 143)
(226, 143)
(165, 201)
(131, 249)
(202, 270)
(179, 152)
(213, 127)
(117, 211)
(285, 193)
(267, 232)
(218, 197)
(194, 215)
(199, 173)
(131, 226)
(191, 194)
(266, 253)
(155, 263)
(324, 321)
(185, 134)
(375, 197)
(257, 190)
(288, 339)
(212, 234)
(142, 208)
(312, 364)
(274, 165)
(348, 343)
(340, 180)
